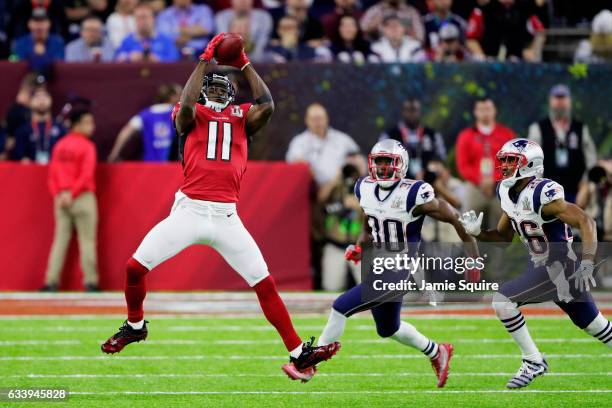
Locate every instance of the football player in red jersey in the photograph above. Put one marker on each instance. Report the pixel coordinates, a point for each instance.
(213, 135)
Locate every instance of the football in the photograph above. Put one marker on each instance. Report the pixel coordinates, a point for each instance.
(229, 49)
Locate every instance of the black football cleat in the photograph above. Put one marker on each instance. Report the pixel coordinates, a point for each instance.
(123, 337)
(308, 359)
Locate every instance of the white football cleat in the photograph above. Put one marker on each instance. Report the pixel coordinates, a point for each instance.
(527, 373)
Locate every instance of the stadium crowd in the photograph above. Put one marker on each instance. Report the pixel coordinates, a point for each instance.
(43, 31)
(347, 31)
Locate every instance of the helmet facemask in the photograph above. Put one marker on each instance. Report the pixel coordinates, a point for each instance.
(217, 92)
(510, 165)
(385, 168)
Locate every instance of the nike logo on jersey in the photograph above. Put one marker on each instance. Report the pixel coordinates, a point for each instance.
(229, 215)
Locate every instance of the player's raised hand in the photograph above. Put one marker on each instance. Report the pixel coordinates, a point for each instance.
(353, 253)
(209, 52)
(241, 62)
(471, 222)
(584, 275)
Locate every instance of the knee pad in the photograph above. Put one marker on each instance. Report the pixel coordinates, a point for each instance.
(504, 307)
(387, 328)
(135, 271)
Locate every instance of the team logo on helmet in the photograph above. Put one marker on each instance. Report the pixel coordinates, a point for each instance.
(520, 144)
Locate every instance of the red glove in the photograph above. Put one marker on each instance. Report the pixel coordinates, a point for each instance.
(473, 275)
(241, 62)
(209, 52)
(353, 253)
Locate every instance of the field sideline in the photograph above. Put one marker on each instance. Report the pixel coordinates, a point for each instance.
(219, 361)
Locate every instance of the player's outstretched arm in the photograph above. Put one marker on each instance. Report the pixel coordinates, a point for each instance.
(575, 216)
(191, 92)
(441, 210)
(263, 107)
(503, 232)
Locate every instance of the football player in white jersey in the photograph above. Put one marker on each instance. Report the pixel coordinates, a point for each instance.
(394, 208)
(535, 209)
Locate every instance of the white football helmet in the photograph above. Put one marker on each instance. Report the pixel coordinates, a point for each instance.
(526, 156)
(388, 162)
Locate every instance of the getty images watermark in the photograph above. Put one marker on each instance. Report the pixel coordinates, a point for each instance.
(406, 266)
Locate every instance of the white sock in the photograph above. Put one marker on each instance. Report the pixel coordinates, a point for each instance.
(601, 329)
(137, 325)
(517, 327)
(333, 329)
(295, 353)
(408, 334)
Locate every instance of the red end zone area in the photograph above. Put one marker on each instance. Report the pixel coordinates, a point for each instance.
(132, 198)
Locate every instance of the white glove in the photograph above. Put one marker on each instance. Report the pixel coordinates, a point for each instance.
(471, 223)
(584, 275)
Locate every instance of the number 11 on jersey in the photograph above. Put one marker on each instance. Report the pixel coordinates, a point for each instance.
(226, 141)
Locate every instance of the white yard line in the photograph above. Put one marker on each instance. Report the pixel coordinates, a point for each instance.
(226, 342)
(222, 375)
(355, 392)
(278, 357)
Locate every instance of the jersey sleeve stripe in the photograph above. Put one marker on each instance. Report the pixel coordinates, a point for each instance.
(412, 195)
(357, 188)
(537, 195)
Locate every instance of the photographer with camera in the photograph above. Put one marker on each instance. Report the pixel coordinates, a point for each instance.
(342, 225)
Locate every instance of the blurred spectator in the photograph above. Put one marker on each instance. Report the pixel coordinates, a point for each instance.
(19, 112)
(3, 152)
(121, 22)
(331, 20)
(4, 39)
(189, 25)
(145, 44)
(258, 22)
(374, 17)
(505, 29)
(324, 148)
(156, 5)
(569, 151)
(72, 185)
(476, 151)
(154, 124)
(93, 46)
(450, 189)
(19, 12)
(289, 48)
(598, 48)
(440, 16)
(34, 140)
(596, 199)
(395, 45)
(422, 143)
(342, 225)
(39, 47)
(309, 27)
(449, 47)
(78, 10)
(348, 45)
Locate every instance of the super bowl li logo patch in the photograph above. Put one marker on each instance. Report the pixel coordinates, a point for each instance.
(526, 205)
(236, 111)
(397, 203)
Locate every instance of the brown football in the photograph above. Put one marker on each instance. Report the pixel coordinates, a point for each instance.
(229, 49)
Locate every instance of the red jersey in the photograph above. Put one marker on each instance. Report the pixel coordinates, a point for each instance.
(215, 154)
(73, 165)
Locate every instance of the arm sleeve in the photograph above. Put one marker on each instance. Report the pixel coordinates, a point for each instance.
(475, 27)
(588, 147)
(552, 191)
(87, 171)
(425, 194)
(534, 134)
(295, 151)
(466, 166)
(136, 122)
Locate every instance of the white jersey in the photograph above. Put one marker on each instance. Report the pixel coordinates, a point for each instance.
(390, 212)
(525, 213)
